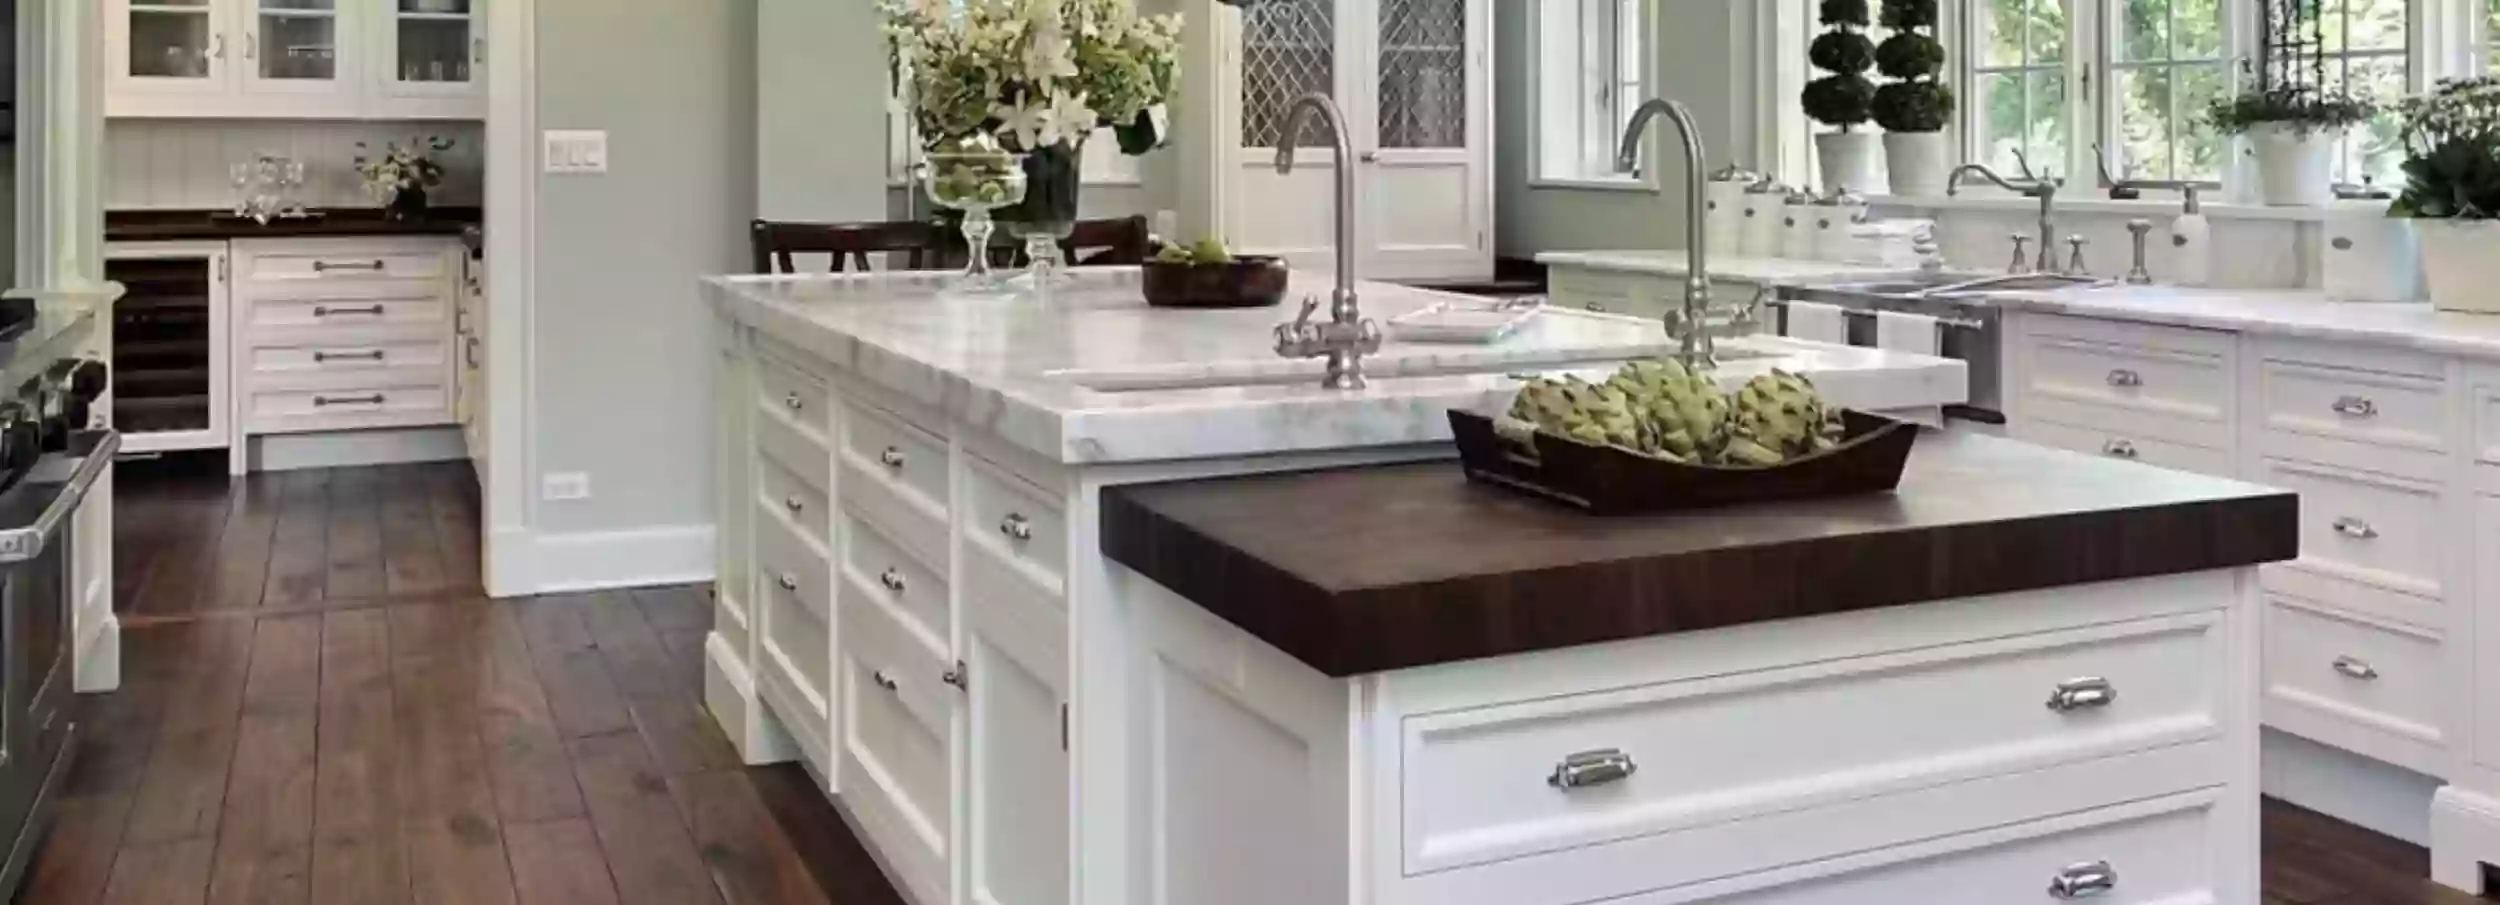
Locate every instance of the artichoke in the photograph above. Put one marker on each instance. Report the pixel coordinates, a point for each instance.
(1779, 416)
(1664, 410)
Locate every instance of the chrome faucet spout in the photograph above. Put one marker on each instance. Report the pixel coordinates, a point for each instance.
(1346, 338)
(1691, 326)
(2041, 187)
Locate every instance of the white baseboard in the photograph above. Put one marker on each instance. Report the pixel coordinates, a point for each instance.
(598, 560)
(2374, 795)
(398, 446)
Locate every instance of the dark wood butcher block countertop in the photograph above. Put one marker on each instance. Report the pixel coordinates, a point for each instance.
(1363, 570)
(174, 226)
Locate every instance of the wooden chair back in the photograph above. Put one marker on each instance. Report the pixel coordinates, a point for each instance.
(777, 244)
(1105, 243)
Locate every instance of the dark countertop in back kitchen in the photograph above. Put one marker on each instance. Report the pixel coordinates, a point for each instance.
(184, 225)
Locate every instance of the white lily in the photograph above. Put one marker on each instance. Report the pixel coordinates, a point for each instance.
(1047, 53)
(1031, 125)
(1071, 119)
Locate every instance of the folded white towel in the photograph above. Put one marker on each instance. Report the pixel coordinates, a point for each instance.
(1818, 322)
(1897, 331)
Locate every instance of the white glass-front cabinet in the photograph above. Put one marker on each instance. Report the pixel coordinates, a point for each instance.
(1414, 80)
(314, 59)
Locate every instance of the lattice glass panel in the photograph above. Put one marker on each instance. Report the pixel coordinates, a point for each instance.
(1288, 49)
(1423, 73)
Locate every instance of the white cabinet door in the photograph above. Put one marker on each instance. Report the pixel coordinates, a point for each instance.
(165, 56)
(1015, 649)
(299, 58)
(1289, 48)
(1428, 204)
(430, 60)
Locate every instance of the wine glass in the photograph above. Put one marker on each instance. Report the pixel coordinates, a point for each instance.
(976, 180)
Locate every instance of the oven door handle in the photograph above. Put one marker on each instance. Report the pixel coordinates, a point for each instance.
(21, 544)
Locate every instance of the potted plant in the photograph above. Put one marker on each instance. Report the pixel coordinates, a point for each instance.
(2452, 191)
(1915, 106)
(401, 176)
(1040, 76)
(2294, 130)
(1843, 98)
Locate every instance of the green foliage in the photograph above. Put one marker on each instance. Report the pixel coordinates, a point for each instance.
(1913, 106)
(1844, 100)
(2300, 107)
(2452, 142)
(1842, 52)
(1902, 15)
(1909, 55)
(1849, 13)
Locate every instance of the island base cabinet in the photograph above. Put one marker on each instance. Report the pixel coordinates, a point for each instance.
(896, 765)
(1016, 667)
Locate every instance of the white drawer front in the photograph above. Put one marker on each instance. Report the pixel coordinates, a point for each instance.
(345, 264)
(1017, 525)
(2153, 381)
(791, 584)
(796, 395)
(300, 360)
(2129, 445)
(1498, 783)
(2349, 683)
(410, 310)
(2364, 419)
(2377, 530)
(878, 569)
(348, 405)
(893, 739)
(780, 489)
(908, 458)
(787, 566)
(796, 447)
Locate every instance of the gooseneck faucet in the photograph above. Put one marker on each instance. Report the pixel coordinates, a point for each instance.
(1346, 337)
(1691, 326)
(2032, 185)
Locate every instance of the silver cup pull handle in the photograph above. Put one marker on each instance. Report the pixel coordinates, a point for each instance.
(2119, 449)
(2125, 378)
(1589, 769)
(2355, 528)
(2084, 881)
(2356, 668)
(2082, 694)
(2355, 407)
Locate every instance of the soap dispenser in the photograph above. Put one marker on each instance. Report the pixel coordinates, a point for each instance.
(2191, 243)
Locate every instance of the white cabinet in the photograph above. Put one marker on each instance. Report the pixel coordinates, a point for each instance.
(314, 59)
(469, 365)
(1415, 81)
(344, 334)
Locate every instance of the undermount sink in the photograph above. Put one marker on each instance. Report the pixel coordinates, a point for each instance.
(1288, 373)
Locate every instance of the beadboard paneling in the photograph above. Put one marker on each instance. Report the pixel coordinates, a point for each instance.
(153, 164)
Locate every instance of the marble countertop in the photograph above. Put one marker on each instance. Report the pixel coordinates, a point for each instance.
(2304, 314)
(1724, 267)
(1063, 378)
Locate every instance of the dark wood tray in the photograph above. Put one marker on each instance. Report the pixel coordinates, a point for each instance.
(1250, 282)
(1603, 480)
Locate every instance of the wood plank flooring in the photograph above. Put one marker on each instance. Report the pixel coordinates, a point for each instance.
(319, 706)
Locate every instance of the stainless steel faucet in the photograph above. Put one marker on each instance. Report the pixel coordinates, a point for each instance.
(1346, 337)
(2032, 185)
(1691, 326)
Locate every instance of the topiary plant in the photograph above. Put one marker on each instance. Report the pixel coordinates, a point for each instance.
(1845, 98)
(1916, 101)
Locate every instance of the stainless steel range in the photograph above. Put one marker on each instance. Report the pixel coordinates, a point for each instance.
(49, 460)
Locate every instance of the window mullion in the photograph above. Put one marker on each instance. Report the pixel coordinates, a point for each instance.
(2087, 88)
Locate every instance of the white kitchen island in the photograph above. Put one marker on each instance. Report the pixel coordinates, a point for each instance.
(913, 600)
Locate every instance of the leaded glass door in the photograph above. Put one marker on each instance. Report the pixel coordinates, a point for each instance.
(1427, 171)
(1289, 48)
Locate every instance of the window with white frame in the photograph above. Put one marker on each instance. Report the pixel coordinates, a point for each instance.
(2368, 51)
(1591, 70)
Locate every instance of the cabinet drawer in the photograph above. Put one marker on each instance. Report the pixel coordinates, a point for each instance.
(780, 489)
(2365, 687)
(1497, 783)
(1015, 524)
(2397, 422)
(351, 358)
(400, 311)
(788, 567)
(345, 264)
(790, 589)
(2114, 375)
(2128, 445)
(893, 731)
(876, 568)
(2380, 531)
(906, 458)
(796, 395)
(349, 404)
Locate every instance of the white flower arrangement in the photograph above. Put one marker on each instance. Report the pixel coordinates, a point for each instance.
(1035, 73)
(398, 169)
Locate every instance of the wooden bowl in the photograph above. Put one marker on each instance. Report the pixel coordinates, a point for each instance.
(1248, 282)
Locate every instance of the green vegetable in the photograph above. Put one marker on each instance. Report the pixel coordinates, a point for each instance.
(1661, 409)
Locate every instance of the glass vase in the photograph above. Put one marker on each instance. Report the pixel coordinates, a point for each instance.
(976, 183)
(1054, 177)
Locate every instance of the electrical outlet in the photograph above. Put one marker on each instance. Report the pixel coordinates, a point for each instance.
(577, 151)
(569, 485)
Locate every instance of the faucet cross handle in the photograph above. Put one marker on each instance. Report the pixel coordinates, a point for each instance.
(2021, 243)
(2074, 263)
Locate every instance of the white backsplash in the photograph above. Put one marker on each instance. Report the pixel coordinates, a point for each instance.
(153, 164)
(2247, 253)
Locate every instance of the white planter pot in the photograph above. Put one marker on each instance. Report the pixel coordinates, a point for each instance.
(2294, 168)
(2461, 262)
(1917, 163)
(1848, 160)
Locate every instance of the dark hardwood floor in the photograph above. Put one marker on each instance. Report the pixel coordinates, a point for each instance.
(319, 706)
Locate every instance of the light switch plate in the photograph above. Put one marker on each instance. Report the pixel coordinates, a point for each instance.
(577, 151)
